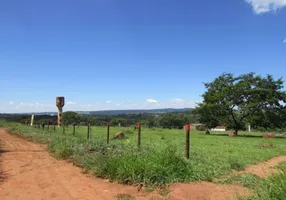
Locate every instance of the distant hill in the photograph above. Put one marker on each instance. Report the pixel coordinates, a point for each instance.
(154, 111)
(117, 112)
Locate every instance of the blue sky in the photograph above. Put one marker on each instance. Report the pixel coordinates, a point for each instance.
(121, 54)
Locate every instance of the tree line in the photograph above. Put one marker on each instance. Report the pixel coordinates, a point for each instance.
(165, 120)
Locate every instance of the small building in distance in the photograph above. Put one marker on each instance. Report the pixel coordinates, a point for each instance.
(219, 128)
(197, 126)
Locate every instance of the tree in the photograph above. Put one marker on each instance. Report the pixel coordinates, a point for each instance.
(118, 121)
(234, 101)
(172, 120)
(70, 117)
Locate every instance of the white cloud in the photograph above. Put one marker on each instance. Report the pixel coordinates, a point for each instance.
(177, 100)
(284, 42)
(263, 6)
(108, 102)
(71, 103)
(152, 101)
(11, 102)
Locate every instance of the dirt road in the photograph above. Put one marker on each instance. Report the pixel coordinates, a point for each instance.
(28, 172)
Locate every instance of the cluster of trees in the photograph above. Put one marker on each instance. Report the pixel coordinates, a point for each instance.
(23, 118)
(166, 120)
(244, 99)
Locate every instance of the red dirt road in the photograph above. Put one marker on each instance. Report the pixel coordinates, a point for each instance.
(264, 169)
(30, 173)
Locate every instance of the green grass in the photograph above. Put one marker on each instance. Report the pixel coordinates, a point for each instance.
(271, 188)
(244, 180)
(281, 166)
(160, 160)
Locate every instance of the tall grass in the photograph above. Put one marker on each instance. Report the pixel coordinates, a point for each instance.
(271, 188)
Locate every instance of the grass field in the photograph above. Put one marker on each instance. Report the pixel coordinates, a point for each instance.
(161, 158)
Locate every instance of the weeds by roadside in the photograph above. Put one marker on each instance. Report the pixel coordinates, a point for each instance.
(271, 188)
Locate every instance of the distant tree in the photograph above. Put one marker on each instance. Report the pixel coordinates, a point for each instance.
(91, 120)
(117, 121)
(234, 101)
(70, 117)
(172, 120)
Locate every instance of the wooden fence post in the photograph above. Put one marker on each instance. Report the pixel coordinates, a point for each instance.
(188, 127)
(139, 134)
(73, 133)
(88, 131)
(108, 125)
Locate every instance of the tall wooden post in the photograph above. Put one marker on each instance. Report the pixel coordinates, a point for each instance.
(32, 120)
(88, 131)
(60, 103)
(188, 127)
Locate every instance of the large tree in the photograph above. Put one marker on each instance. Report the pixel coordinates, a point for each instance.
(235, 101)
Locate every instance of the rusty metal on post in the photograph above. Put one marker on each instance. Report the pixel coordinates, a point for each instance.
(188, 127)
(139, 134)
(108, 126)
